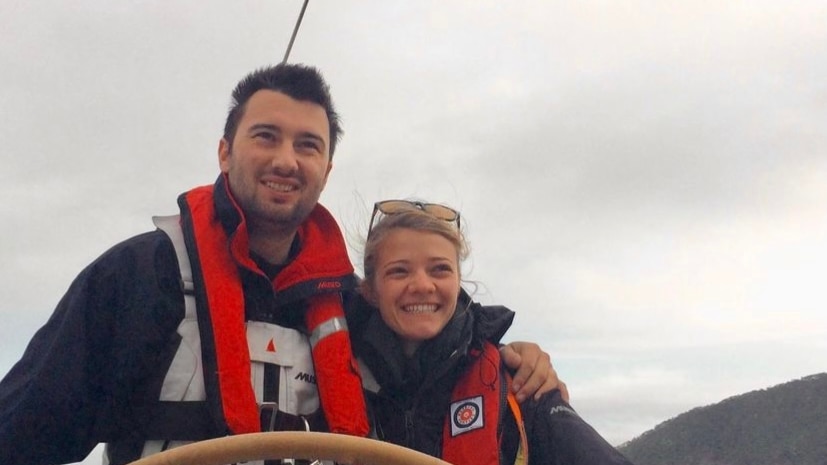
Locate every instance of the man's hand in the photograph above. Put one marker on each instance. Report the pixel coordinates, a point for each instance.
(535, 375)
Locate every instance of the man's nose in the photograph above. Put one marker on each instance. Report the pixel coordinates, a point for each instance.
(284, 158)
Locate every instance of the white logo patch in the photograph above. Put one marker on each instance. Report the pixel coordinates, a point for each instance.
(466, 415)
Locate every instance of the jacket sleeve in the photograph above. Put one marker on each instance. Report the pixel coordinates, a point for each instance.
(82, 367)
(557, 434)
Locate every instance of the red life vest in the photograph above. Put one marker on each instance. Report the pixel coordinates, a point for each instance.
(470, 435)
(323, 256)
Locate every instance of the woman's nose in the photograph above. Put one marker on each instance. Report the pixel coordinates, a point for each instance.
(421, 282)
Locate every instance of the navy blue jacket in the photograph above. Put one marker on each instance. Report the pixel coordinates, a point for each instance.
(410, 408)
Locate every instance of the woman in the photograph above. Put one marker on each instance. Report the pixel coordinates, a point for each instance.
(432, 381)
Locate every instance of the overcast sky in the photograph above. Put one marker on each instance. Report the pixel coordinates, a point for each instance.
(644, 182)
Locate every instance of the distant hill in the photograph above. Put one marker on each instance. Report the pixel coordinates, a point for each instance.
(781, 425)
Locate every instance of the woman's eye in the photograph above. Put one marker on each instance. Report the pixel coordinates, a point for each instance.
(396, 271)
(443, 269)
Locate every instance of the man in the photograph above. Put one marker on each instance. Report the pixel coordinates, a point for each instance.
(124, 360)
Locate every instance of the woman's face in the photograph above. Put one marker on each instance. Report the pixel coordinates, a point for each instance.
(416, 283)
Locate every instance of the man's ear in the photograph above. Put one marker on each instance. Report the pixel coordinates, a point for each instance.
(224, 149)
(327, 173)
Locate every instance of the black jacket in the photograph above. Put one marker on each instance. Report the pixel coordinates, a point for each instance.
(102, 355)
(415, 394)
(94, 371)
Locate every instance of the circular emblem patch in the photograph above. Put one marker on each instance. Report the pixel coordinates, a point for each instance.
(466, 414)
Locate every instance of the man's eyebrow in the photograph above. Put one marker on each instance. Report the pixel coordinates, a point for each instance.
(259, 126)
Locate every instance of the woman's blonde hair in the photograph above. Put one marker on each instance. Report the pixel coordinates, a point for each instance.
(415, 220)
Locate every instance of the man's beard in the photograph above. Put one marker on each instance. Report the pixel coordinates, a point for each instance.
(281, 219)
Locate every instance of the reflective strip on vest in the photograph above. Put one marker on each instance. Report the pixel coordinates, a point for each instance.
(326, 328)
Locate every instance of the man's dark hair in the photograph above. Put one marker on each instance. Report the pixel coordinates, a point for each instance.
(297, 81)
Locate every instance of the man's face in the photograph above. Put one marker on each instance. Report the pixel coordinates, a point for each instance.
(279, 160)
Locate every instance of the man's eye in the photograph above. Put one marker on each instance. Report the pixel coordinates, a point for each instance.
(309, 146)
(264, 136)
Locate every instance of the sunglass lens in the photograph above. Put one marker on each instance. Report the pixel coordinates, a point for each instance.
(440, 211)
(390, 207)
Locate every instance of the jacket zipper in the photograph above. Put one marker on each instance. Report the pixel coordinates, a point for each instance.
(409, 428)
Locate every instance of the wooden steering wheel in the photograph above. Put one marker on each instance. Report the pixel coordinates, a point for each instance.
(298, 445)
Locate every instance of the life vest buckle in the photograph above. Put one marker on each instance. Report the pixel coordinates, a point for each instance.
(272, 419)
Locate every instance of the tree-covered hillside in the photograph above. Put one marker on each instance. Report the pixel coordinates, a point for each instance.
(781, 425)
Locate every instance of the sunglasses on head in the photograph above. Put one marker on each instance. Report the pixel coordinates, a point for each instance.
(393, 207)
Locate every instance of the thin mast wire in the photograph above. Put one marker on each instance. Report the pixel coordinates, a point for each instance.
(295, 31)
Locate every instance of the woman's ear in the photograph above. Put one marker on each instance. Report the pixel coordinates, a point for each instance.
(367, 292)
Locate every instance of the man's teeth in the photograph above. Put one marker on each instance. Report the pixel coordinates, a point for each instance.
(420, 308)
(279, 187)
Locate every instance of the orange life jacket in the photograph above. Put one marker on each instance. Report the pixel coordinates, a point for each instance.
(471, 432)
(323, 255)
